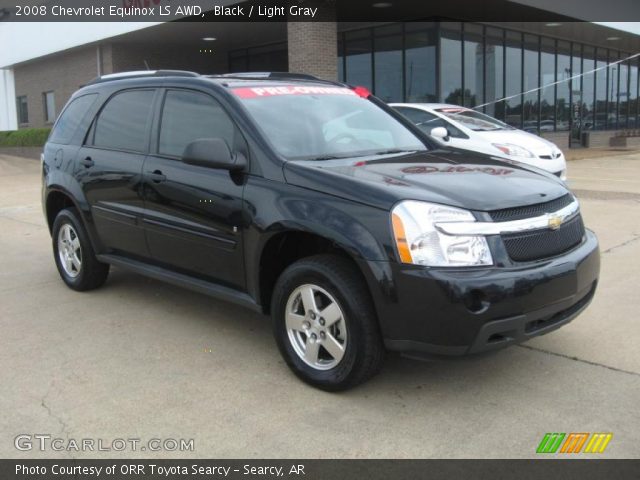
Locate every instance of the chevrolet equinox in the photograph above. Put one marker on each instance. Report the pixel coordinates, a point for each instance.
(314, 202)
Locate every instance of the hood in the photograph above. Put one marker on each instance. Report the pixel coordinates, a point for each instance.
(449, 177)
(535, 144)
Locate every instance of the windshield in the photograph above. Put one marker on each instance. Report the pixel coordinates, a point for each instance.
(321, 123)
(473, 120)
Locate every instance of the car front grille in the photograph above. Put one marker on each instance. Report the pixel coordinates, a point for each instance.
(540, 244)
(529, 211)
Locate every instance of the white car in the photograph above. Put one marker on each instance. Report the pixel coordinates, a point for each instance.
(461, 127)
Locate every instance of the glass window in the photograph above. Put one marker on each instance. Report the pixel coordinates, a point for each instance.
(547, 81)
(451, 64)
(530, 85)
(388, 63)
(476, 121)
(513, 85)
(358, 52)
(238, 61)
(473, 65)
(326, 122)
(23, 111)
(187, 116)
(563, 89)
(601, 90)
(420, 62)
(49, 103)
(494, 61)
(122, 124)
(623, 95)
(426, 121)
(270, 58)
(71, 118)
(633, 94)
(588, 88)
(341, 58)
(613, 79)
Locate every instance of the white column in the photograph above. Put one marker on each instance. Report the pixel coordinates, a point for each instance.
(8, 113)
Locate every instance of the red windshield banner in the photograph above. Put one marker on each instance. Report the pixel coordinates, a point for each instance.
(259, 92)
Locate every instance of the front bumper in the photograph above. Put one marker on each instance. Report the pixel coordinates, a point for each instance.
(463, 311)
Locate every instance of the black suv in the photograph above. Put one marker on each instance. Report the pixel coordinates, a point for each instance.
(315, 202)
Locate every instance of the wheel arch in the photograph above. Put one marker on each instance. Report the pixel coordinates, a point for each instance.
(58, 198)
(288, 245)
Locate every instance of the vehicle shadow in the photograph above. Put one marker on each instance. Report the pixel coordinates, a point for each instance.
(211, 319)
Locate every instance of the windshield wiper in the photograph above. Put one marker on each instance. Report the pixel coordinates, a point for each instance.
(354, 155)
(324, 157)
(392, 151)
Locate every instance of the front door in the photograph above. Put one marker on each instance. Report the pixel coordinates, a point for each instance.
(193, 214)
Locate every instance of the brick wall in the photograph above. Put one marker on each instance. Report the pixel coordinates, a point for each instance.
(65, 72)
(62, 73)
(313, 48)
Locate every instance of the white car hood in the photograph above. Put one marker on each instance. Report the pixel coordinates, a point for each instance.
(538, 146)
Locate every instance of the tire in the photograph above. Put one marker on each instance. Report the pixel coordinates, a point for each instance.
(73, 253)
(347, 345)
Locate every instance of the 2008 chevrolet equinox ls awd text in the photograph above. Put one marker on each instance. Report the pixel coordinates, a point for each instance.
(315, 202)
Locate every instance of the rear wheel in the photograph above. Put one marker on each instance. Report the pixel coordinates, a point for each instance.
(325, 324)
(76, 261)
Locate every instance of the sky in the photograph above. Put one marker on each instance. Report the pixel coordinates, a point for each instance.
(631, 27)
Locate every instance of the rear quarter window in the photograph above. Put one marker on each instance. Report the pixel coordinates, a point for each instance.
(71, 118)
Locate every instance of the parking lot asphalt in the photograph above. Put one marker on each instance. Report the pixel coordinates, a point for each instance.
(141, 359)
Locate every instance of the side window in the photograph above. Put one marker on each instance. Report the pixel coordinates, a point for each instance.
(426, 121)
(71, 118)
(122, 124)
(23, 110)
(187, 116)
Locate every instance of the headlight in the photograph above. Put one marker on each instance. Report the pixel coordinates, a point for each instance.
(513, 150)
(418, 241)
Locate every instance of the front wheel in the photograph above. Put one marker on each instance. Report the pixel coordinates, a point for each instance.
(324, 323)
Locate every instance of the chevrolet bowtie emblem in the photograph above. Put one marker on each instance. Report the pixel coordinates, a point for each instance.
(555, 222)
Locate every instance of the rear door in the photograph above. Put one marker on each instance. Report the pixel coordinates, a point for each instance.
(110, 170)
(193, 215)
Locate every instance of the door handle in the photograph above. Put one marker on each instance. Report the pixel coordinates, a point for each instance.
(87, 162)
(156, 176)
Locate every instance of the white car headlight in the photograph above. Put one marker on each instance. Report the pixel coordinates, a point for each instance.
(513, 150)
(419, 242)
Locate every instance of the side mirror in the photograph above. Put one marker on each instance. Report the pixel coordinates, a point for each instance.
(212, 153)
(440, 133)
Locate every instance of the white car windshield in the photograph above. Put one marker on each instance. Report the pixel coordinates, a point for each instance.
(473, 120)
(321, 123)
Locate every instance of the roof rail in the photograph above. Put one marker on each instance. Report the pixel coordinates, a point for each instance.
(268, 76)
(143, 74)
(304, 77)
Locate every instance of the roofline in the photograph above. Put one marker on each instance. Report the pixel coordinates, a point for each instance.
(142, 74)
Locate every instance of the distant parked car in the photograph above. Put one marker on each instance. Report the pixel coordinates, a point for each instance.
(461, 127)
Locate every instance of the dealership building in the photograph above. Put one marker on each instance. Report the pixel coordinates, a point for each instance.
(568, 79)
